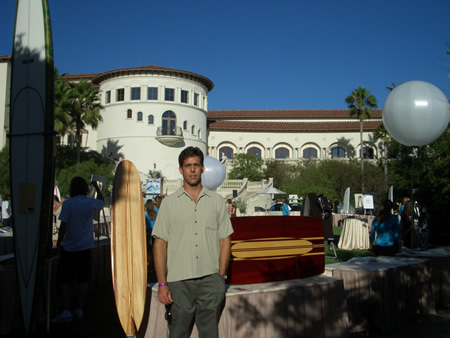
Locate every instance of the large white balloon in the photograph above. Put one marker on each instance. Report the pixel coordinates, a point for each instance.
(214, 173)
(416, 113)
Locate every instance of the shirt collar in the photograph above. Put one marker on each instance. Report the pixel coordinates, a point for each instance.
(205, 192)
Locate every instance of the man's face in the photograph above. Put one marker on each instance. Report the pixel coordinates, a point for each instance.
(192, 170)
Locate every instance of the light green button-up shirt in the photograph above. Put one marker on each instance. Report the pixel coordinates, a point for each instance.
(192, 232)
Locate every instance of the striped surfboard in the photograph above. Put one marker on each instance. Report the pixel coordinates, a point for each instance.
(275, 248)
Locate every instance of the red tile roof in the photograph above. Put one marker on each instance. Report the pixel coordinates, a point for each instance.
(77, 77)
(291, 126)
(285, 114)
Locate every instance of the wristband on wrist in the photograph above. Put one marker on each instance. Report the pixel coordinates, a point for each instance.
(161, 285)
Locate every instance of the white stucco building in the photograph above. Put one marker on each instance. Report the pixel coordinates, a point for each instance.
(151, 113)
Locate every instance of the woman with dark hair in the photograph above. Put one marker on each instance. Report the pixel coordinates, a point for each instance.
(387, 230)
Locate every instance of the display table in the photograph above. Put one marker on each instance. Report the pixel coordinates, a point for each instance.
(439, 265)
(384, 291)
(337, 219)
(309, 307)
(355, 234)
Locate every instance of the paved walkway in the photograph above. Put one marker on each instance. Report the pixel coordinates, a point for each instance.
(434, 326)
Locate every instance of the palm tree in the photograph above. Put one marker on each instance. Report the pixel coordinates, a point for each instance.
(382, 134)
(84, 109)
(361, 104)
(63, 119)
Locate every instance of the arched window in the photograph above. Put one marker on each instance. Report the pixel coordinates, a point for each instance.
(282, 153)
(139, 116)
(169, 123)
(129, 114)
(199, 134)
(226, 151)
(310, 153)
(254, 151)
(338, 152)
(185, 125)
(193, 130)
(367, 153)
(151, 119)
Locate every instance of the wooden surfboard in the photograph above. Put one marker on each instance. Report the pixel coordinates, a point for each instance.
(275, 248)
(128, 247)
(31, 148)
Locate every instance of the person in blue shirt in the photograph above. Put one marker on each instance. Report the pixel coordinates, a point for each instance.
(150, 218)
(286, 209)
(75, 243)
(387, 229)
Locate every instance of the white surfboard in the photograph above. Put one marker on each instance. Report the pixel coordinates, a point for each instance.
(31, 148)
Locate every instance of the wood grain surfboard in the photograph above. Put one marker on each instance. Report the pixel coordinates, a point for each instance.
(128, 247)
(32, 149)
(275, 248)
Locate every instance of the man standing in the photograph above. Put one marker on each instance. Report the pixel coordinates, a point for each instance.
(285, 208)
(192, 239)
(75, 242)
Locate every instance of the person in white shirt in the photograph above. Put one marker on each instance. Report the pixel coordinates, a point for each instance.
(6, 211)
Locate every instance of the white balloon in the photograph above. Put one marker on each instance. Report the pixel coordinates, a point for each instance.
(214, 173)
(416, 113)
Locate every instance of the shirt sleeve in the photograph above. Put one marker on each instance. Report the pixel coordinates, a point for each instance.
(372, 232)
(225, 227)
(396, 229)
(64, 214)
(98, 204)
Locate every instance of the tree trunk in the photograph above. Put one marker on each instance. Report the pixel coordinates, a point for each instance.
(78, 140)
(385, 164)
(362, 155)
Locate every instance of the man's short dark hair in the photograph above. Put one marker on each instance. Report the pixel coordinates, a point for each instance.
(78, 186)
(190, 152)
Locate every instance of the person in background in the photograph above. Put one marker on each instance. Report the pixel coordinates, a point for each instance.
(56, 221)
(403, 204)
(6, 211)
(230, 208)
(233, 209)
(285, 208)
(335, 205)
(150, 218)
(192, 249)
(408, 225)
(157, 203)
(387, 230)
(75, 242)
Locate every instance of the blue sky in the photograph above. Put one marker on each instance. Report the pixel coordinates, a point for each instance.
(260, 54)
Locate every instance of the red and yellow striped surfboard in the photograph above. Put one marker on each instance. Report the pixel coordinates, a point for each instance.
(275, 248)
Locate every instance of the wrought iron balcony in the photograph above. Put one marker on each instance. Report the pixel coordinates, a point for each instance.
(169, 136)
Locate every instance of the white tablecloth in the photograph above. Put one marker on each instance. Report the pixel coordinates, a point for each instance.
(309, 307)
(355, 234)
(384, 291)
(439, 265)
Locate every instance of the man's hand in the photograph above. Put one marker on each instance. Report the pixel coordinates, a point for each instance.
(164, 295)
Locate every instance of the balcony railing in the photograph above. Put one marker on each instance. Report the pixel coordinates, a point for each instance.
(169, 136)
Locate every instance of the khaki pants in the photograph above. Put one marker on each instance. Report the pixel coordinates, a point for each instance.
(198, 300)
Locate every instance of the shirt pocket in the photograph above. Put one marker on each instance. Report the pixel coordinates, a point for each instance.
(209, 221)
